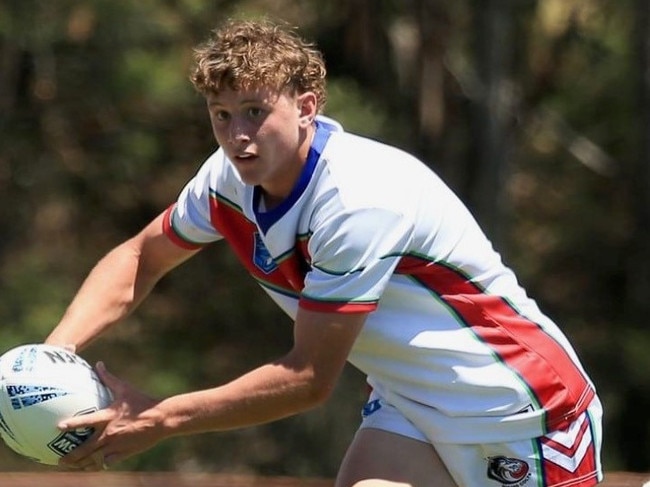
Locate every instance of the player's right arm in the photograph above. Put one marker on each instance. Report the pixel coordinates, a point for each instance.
(118, 284)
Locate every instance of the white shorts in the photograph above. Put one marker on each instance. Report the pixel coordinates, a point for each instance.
(567, 458)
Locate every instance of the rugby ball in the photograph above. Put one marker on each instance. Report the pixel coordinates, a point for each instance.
(40, 385)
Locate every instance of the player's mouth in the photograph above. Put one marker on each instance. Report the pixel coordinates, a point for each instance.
(246, 157)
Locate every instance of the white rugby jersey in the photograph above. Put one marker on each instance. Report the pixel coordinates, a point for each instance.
(369, 228)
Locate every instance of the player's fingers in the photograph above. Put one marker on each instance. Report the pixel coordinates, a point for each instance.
(69, 347)
(89, 464)
(115, 384)
(99, 460)
(88, 455)
(92, 420)
(82, 463)
(113, 458)
(92, 463)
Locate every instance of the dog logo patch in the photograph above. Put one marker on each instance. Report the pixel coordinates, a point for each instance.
(508, 471)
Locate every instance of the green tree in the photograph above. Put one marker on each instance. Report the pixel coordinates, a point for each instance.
(534, 111)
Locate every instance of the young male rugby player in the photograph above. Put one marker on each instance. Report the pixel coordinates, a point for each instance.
(377, 263)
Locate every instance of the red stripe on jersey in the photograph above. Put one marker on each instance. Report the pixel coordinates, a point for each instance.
(327, 306)
(293, 272)
(303, 248)
(538, 359)
(171, 234)
(240, 233)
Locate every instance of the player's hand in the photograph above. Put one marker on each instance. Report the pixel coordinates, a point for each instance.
(128, 426)
(65, 346)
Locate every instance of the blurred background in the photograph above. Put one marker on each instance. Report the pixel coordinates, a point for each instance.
(536, 112)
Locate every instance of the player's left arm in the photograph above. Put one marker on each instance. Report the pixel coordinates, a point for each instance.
(300, 380)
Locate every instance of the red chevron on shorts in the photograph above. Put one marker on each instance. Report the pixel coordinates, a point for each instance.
(568, 456)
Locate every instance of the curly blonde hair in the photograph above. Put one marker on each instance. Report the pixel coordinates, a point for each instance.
(245, 54)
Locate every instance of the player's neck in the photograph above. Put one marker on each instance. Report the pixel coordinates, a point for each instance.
(273, 195)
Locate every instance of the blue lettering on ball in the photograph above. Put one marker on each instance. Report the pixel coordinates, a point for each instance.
(25, 360)
(22, 396)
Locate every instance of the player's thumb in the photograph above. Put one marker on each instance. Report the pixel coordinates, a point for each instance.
(108, 379)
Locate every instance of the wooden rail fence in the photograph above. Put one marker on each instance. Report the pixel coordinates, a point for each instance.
(174, 479)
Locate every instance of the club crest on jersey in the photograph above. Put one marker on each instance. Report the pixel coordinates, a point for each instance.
(262, 257)
(508, 471)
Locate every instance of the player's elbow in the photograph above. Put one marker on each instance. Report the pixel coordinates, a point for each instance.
(319, 392)
(316, 381)
(315, 389)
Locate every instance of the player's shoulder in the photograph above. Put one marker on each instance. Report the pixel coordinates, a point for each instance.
(217, 177)
(221, 168)
(343, 140)
(358, 159)
(352, 149)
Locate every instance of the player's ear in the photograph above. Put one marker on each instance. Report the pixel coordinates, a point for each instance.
(308, 107)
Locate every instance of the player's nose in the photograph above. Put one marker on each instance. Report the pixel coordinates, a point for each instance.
(239, 133)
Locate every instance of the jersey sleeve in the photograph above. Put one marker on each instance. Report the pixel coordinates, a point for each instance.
(187, 221)
(353, 257)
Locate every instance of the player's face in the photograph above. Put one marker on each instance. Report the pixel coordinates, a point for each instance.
(265, 134)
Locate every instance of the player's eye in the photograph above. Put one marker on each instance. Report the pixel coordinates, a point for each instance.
(221, 115)
(255, 112)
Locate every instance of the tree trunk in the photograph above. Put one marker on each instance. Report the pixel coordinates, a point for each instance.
(640, 255)
(492, 112)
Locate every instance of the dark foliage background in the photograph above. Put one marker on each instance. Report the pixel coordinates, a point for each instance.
(535, 111)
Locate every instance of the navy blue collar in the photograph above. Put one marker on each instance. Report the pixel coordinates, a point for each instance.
(267, 218)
